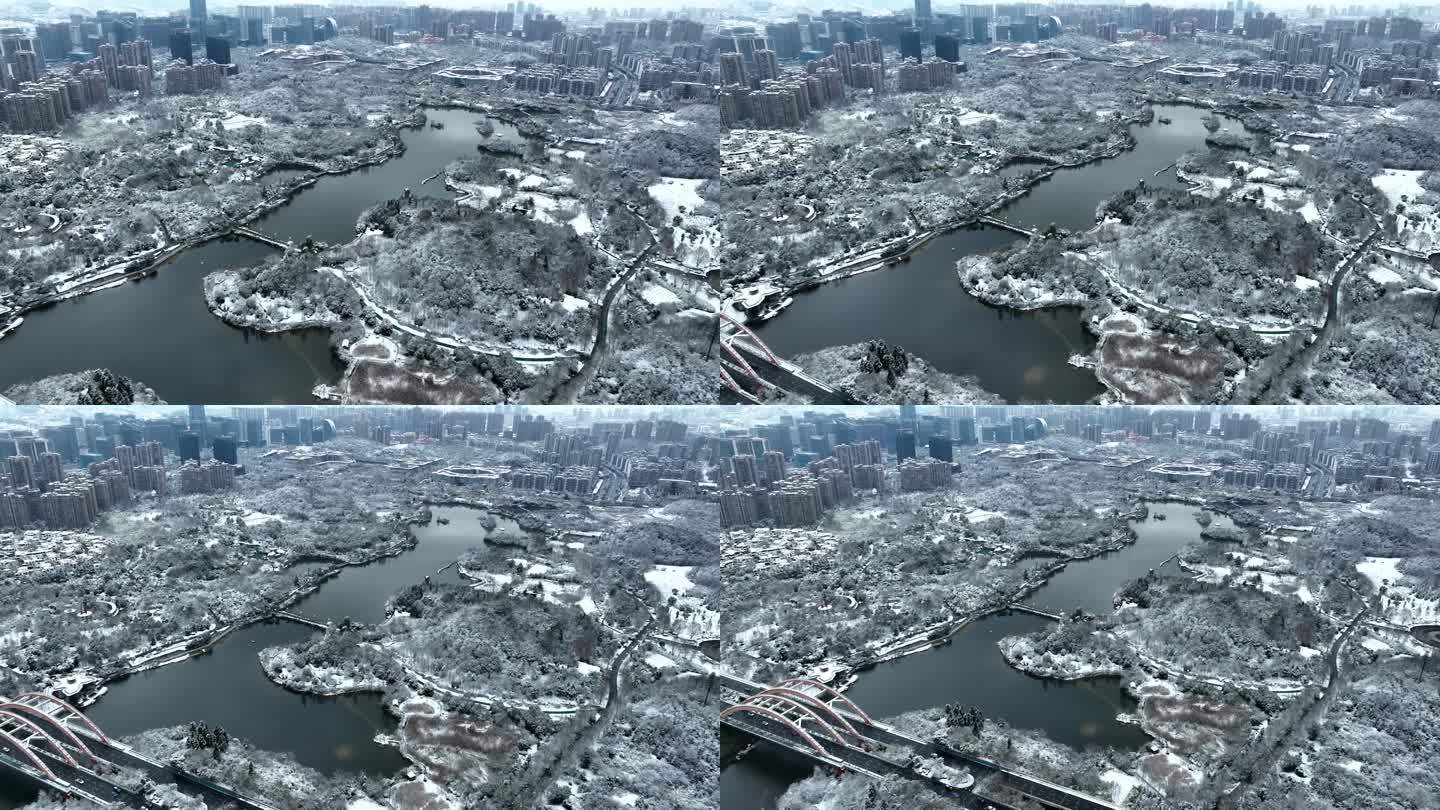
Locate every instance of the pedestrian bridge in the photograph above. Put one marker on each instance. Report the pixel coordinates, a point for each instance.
(263, 238)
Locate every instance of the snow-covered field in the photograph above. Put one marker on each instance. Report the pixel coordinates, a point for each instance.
(673, 193)
(689, 617)
(656, 295)
(696, 239)
(1418, 223)
(1402, 605)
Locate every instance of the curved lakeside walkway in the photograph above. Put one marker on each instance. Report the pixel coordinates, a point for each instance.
(967, 665)
(158, 329)
(1022, 355)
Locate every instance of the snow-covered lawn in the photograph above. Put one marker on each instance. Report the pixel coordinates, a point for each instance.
(233, 122)
(252, 518)
(1380, 570)
(1398, 183)
(659, 661)
(1418, 223)
(1384, 275)
(656, 295)
(973, 117)
(1121, 784)
(673, 193)
(668, 578)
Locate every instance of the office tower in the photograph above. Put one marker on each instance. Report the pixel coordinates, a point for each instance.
(52, 467)
(942, 448)
(217, 50)
(922, 12)
(198, 16)
(732, 69)
(784, 39)
(25, 66)
(980, 29)
(947, 47)
(22, 471)
(137, 53)
(54, 40)
(767, 66)
(226, 449)
(189, 446)
(911, 46)
(181, 47)
(904, 445)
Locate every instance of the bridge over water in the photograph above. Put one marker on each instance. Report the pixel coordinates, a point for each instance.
(747, 361)
(820, 723)
(260, 236)
(1035, 611)
(1008, 225)
(51, 744)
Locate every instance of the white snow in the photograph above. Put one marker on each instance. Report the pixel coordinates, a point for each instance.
(364, 804)
(586, 668)
(253, 518)
(581, 223)
(1384, 275)
(659, 661)
(674, 192)
(656, 295)
(667, 578)
(1304, 283)
(1397, 183)
(1380, 569)
(233, 122)
(973, 117)
(1121, 784)
(982, 515)
(571, 303)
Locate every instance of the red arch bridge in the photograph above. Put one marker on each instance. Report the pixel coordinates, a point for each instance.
(37, 728)
(819, 722)
(49, 742)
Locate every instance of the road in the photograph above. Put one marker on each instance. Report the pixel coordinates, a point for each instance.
(568, 757)
(567, 392)
(1282, 381)
(1264, 761)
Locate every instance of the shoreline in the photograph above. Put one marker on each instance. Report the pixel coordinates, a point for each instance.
(1112, 392)
(163, 255)
(918, 240)
(203, 644)
(925, 638)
